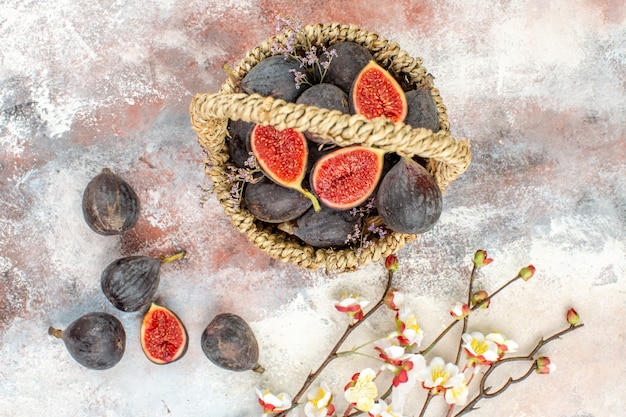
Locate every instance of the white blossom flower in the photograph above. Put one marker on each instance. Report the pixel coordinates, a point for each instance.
(381, 409)
(362, 391)
(504, 345)
(273, 403)
(440, 375)
(478, 349)
(457, 395)
(319, 402)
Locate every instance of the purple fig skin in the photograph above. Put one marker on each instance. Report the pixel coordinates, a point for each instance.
(110, 205)
(130, 283)
(408, 198)
(273, 203)
(422, 111)
(326, 228)
(228, 342)
(95, 340)
(325, 96)
(272, 77)
(350, 60)
(239, 141)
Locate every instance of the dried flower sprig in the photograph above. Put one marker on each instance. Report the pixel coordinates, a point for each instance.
(238, 176)
(313, 59)
(399, 352)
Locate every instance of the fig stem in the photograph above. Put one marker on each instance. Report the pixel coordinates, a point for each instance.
(310, 196)
(258, 369)
(171, 258)
(55, 332)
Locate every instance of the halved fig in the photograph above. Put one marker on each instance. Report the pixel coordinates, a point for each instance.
(282, 155)
(95, 340)
(346, 177)
(376, 93)
(228, 342)
(163, 336)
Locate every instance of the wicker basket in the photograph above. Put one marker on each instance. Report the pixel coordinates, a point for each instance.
(448, 157)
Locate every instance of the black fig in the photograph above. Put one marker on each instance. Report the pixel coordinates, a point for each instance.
(409, 199)
(422, 109)
(110, 205)
(275, 77)
(323, 229)
(228, 342)
(95, 340)
(350, 59)
(239, 141)
(273, 203)
(130, 283)
(325, 96)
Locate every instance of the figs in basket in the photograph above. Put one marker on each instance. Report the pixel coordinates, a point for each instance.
(422, 110)
(129, 283)
(325, 96)
(323, 229)
(228, 342)
(408, 199)
(282, 155)
(348, 59)
(95, 340)
(110, 205)
(163, 336)
(376, 93)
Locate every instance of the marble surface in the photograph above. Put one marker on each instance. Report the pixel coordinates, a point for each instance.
(538, 87)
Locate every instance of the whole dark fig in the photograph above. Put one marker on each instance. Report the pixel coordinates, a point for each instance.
(239, 141)
(409, 199)
(228, 342)
(348, 60)
(422, 109)
(273, 203)
(323, 229)
(129, 283)
(274, 77)
(325, 96)
(95, 340)
(110, 205)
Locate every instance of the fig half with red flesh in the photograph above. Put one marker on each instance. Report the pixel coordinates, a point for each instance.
(376, 93)
(346, 177)
(282, 155)
(163, 336)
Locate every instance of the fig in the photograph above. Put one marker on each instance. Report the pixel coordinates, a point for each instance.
(129, 283)
(325, 96)
(275, 77)
(228, 342)
(164, 338)
(95, 340)
(110, 205)
(376, 93)
(345, 177)
(422, 110)
(323, 229)
(273, 203)
(348, 59)
(239, 141)
(408, 199)
(282, 156)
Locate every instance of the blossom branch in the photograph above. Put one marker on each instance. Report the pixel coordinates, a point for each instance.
(485, 391)
(334, 352)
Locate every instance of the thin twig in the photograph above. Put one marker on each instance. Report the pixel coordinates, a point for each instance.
(466, 318)
(333, 353)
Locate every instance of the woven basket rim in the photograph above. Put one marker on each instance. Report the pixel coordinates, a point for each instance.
(210, 114)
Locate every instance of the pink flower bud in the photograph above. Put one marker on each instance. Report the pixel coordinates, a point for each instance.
(479, 297)
(572, 317)
(394, 299)
(527, 272)
(459, 310)
(480, 258)
(544, 366)
(391, 263)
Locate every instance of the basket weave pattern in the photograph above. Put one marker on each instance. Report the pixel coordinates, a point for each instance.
(448, 157)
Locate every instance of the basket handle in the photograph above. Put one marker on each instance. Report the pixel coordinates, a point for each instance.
(451, 156)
